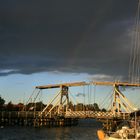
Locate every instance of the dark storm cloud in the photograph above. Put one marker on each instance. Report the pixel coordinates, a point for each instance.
(68, 36)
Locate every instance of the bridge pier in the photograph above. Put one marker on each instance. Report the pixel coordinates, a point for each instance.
(28, 119)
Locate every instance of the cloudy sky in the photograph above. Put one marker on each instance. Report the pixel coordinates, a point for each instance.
(63, 39)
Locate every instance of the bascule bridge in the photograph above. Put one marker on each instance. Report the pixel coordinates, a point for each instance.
(58, 111)
(120, 107)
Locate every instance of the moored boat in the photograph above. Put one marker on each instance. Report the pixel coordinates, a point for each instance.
(128, 130)
(123, 133)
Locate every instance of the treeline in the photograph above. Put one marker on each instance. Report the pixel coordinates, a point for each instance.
(20, 106)
(38, 106)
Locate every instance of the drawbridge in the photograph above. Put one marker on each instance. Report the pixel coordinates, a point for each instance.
(60, 105)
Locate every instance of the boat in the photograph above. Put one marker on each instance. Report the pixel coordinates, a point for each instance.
(126, 130)
(124, 133)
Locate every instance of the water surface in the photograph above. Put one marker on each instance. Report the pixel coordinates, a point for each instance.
(86, 130)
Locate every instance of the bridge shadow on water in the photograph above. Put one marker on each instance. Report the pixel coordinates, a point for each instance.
(85, 130)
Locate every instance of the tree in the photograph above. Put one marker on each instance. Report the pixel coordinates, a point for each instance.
(39, 106)
(104, 110)
(71, 105)
(2, 101)
(96, 107)
(10, 106)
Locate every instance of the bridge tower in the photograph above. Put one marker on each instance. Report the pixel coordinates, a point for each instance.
(120, 103)
(61, 100)
(64, 97)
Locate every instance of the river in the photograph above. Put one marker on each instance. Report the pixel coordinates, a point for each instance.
(85, 130)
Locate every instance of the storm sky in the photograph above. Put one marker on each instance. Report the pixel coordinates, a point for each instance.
(74, 36)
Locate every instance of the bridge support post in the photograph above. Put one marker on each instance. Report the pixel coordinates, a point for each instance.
(116, 101)
(64, 100)
(120, 103)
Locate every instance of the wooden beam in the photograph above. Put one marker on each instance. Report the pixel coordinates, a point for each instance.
(116, 84)
(84, 83)
(63, 84)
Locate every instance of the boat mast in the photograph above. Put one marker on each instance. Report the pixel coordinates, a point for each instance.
(134, 64)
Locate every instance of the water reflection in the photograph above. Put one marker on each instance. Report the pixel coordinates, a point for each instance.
(86, 130)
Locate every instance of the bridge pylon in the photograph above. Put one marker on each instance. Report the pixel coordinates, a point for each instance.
(120, 103)
(64, 99)
(61, 105)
